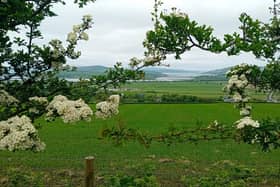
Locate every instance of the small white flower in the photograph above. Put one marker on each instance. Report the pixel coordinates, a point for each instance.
(76, 28)
(6, 98)
(237, 97)
(70, 111)
(107, 109)
(18, 133)
(84, 36)
(41, 100)
(87, 18)
(72, 37)
(245, 112)
(114, 99)
(246, 121)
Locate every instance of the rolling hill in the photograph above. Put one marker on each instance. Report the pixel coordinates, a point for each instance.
(152, 73)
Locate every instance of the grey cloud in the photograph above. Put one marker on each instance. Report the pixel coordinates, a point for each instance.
(120, 28)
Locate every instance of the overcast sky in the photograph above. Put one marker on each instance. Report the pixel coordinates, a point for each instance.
(120, 26)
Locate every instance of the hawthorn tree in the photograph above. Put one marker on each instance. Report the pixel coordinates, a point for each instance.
(28, 69)
(24, 60)
(175, 33)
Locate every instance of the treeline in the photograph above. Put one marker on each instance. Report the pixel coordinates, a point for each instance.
(166, 98)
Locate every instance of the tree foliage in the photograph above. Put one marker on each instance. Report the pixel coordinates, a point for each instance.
(28, 69)
(20, 56)
(175, 33)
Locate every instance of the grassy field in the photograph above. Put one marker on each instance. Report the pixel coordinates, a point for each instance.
(203, 89)
(68, 144)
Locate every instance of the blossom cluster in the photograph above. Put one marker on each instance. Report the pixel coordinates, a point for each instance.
(245, 111)
(58, 49)
(178, 13)
(107, 109)
(149, 60)
(70, 111)
(240, 69)
(246, 121)
(6, 98)
(18, 133)
(78, 33)
(40, 100)
(38, 104)
(238, 82)
(236, 86)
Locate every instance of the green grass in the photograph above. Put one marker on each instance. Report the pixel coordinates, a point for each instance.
(69, 144)
(202, 89)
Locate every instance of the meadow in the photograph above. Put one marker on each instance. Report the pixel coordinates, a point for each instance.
(201, 89)
(68, 144)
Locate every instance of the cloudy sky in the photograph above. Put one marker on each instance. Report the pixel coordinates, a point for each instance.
(120, 26)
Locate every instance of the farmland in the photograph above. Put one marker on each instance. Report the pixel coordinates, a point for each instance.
(68, 144)
(213, 121)
(212, 90)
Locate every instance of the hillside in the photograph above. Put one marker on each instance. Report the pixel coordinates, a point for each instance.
(218, 71)
(152, 73)
(214, 75)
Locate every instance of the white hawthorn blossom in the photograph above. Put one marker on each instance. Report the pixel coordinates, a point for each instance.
(114, 99)
(237, 97)
(41, 100)
(239, 82)
(236, 86)
(245, 111)
(178, 13)
(246, 121)
(18, 133)
(238, 69)
(77, 33)
(58, 49)
(76, 28)
(72, 37)
(38, 103)
(107, 109)
(6, 98)
(84, 36)
(87, 18)
(70, 111)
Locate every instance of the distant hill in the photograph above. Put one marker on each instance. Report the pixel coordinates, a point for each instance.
(218, 71)
(83, 72)
(169, 70)
(151, 73)
(214, 75)
(88, 71)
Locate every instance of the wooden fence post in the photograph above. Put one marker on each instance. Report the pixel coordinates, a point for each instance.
(89, 172)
